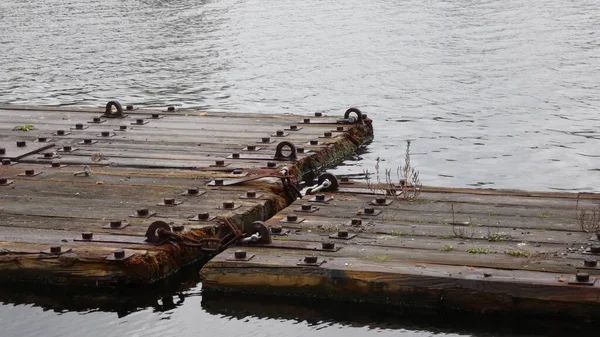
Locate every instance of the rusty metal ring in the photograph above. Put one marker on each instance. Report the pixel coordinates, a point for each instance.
(332, 179)
(357, 112)
(152, 233)
(279, 154)
(108, 112)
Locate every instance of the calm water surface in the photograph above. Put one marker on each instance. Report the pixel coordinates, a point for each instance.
(498, 94)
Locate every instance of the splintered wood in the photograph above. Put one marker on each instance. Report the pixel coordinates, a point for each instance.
(78, 189)
(480, 250)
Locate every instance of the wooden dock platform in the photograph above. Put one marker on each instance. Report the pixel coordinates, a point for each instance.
(79, 187)
(484, 251)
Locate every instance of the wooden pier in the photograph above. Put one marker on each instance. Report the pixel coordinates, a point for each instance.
(79, 187)
(484, 251)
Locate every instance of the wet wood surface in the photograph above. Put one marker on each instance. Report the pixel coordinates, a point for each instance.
(479, 250)
(138, 167)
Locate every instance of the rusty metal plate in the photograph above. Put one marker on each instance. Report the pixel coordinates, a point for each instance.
(14, 152)
(590, 282)
(230, 182)
(349, 237)
(247, 258)
(112, 257)
(298, 245)
(304, 264)
(116, 239)
(386, 203)
(311, 210)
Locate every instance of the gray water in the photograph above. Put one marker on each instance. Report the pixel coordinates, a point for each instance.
(500, 94)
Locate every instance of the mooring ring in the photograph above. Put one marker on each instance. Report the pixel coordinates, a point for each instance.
(108, 112)
(279, 151)
(152, 234)
(357, 112)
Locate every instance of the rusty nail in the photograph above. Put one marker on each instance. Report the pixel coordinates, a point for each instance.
(192, 191)
(228, 204)
(169, 201)
(327, 134)
(117, 223)
(97, 119)
(78, 126)
(582, 277)
(139, 121)
(314, 142)
(105, 133)
(237, 171)
(292, 217)
(55, 249)
(48, 154)
(218, 182)
(306, 120)
(342, 234)
(300, 149)
(21, 143)
(42, 139)
(178, 228)
(266, 139)
(251, 194)
(235, 155)
(87, 141)
(219, 162)
(279, 133)
(251, 148)
(318, 114)
(320, 197)
(294, 127)
(87, 235)
(595, 249)
(310, 259)
(276, 229)
(271, 164)
(155, 116)
(141, 212)
(67, 148)
(203, 216)
(590, 263)
(240, 254)
(306, 207)
(55, 164)
(60, 132)
(3, 181)
(6, 161)
(29, 172)
(356, 222)
(340, 128)
(345, 179)
(119, 253)
(122, 127)
(129, 107)
(170, 108)
(328, 245)
(380, 200)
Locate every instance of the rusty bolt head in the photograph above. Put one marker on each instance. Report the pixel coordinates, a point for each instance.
(251, 147)
(598, 235)
(48, 154)
(3, 181)
(320, 197)
(582, 277)
(300, 149)
(42, 139)
(240, 254)
(55, 164)
(328, 245)
(155, 116)
(237, 171)
(6, 161)
(141, 212)
(219, 162)
(79, 126)
(129, 107)
(356, 222)
(60, 132)
(117, 223)
(228, 204)
(235, 155)
(139, 121)
(314, 142)
(67, 148)
(345, 179)
(271, 164)
(265, 139)
(21, 143)
(87, 235)
(306, 120)
(97, 119)
(178, 228)
(169, 201)
(364, 115)
(380, 200)
(318, 114)
(310, 259)
(293, 127)
(292, 217)
(327, 134)
(219, 182)
(276, 229)
(119, 253)
(105, 133)
(369, 210)
(2, 150)
(279, 133)
(590, 263)
(595, 249)
(342, 234)
(122, 127)
(29, 172)
(203, 216)
(55, 249)
(192, 191)
(251, 194)
(170, 108)
(306, 207)
(340, 128)
(87, 141)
